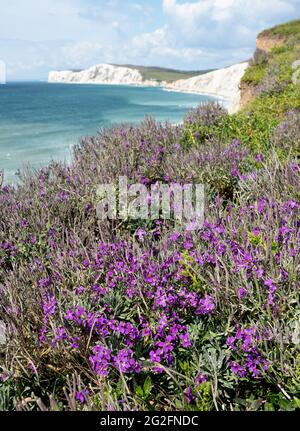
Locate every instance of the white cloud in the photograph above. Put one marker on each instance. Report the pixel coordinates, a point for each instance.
(212, 33)
(223, 23)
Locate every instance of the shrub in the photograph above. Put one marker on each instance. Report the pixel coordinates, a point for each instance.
(287, 135)
(260, 57)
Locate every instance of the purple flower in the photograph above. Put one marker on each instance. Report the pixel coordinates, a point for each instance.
(64, 196)
(242, 292)
(141, 234)
(230, 342)
(155, 356)
(81, 396)
(235, 172)
(259, 272)
(175, 236)
(272, 290)
(237, 369)
(101, 360)
(259, 157)
(49, 307)
(291, 205)
(206, 305)
(190, 397)
(261, 205)
(185, 340)
(44, 283)
(295, 167)
(5, 245)
(246, 358)
(269, 282)
(24, 223)
(200, 379)
(188, 244)
(61, 335)
(79, 290)
(125, 362)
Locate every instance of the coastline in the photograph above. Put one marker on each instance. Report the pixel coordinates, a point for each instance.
(222, 84)
(216, 96)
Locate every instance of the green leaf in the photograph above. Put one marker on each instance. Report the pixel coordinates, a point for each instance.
(139, 391)
(297, 402)
(148, 385)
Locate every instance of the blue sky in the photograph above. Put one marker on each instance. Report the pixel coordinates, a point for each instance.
(37, 36)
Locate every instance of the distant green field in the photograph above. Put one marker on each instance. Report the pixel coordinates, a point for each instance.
(162, 74)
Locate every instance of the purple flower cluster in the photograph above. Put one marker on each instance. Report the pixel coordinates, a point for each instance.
(246, 357)
(81, 396)
(166, 290)
(48, 306)
(100, 360)
(272, 290)
(124, 362)
(142, 298)
(103, 359)
(207, 114)
(169, 294)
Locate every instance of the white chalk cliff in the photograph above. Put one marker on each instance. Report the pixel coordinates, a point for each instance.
(100, 74)
(223, 83)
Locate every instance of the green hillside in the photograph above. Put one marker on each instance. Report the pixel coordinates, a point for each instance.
(271, 73)
(169, 75)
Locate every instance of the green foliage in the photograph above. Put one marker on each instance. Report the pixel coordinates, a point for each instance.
(290, 29)
(253, 130)
(144, 391)
(255, 73)
(204, 398)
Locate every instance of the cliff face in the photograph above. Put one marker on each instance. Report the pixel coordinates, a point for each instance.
(100, 74)
(266, 43)
(247, 93)
(221, 83)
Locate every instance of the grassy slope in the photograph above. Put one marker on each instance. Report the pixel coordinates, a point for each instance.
(270, 77)
(287, 30)
(277, 65)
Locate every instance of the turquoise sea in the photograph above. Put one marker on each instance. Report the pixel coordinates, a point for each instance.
(40, 122)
